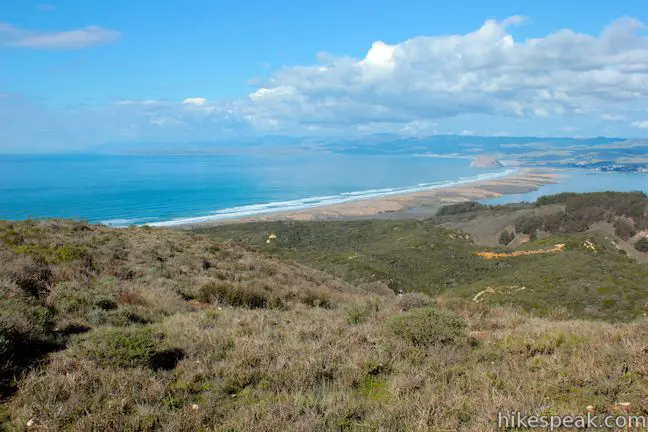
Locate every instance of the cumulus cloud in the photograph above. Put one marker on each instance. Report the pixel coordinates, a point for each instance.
(485, 81)
(486, 71)
(11, 36)
(195, 101)
(427, 79)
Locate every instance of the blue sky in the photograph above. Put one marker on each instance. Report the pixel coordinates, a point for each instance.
(77, 73)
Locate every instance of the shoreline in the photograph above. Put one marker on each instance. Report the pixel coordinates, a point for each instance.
(403, 205)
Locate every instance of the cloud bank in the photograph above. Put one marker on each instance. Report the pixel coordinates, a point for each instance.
(424, 85)
(14, 37)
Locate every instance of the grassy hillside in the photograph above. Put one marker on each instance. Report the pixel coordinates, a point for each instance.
(64, 282)
(145, 329)
(590, 279)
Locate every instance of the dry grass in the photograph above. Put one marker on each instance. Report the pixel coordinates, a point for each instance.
(327, 356)
(59, 278)
(311, 369)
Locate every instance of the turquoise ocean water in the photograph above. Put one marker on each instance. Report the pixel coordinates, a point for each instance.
(168, 190)
(578, 180)
(123, 190)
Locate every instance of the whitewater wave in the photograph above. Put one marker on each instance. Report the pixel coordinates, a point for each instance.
(311, 202)
(117, 222)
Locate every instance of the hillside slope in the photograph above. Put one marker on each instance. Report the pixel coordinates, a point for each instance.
(61, 278)
(147, 329)
(582, 281)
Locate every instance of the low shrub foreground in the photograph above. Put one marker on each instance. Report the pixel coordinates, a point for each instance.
(143, 329)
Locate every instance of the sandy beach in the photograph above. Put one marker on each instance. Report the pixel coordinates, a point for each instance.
(410, 205)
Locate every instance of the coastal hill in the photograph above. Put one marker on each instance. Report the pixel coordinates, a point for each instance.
(249, 326)
(486, 162)
(598, 153)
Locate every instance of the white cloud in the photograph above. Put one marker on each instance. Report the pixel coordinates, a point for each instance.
(138, 102)
(277, 93)
(195, 101)
(483, 72)
(486, 80)
(419, 128)
(380, 55)
(11, 36)
(612, 117)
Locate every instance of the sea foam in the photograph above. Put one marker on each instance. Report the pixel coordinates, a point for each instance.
(312, 202)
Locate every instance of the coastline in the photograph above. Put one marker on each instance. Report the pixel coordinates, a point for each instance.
(406, 205)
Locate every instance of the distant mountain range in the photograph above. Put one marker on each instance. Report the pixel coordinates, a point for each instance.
(614, 154)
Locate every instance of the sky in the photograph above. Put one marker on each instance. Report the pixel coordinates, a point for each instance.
(78, 73)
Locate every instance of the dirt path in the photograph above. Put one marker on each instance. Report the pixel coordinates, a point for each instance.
(491, 255)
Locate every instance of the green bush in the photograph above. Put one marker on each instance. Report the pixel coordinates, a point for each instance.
(32, 275)
(25, 336)
(464, 207)
(623, 229)
(5, 346)
(226, 293)
(528, 224)
(506, 237)
(65, 254)
(122, 317)
(582, 210)
(121, 347)
(642, 244)
(315, 298)
(414, 300)
(27, 316)
(51, 254)
(358, 313)
(106, 304)
(428, 326)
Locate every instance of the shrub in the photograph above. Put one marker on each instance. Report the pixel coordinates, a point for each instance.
(116, 317)
(459, 208)
(51, 254)
(131, 298)
(582, 210)
(226, 293)
(166, 359)
(506, 237)
(22, 343)
(358, 313)
(65, 254)
(26, 315)
(414, 300)
(314, 298)
(428, 326)
(377, 287)
(106, 304)
(32, 275)
(642, 244)
(560, 198)
(528, 224)
(121, 347)
(5, 345)
(623, 229)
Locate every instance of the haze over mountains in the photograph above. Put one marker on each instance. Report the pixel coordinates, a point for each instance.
(601, 153)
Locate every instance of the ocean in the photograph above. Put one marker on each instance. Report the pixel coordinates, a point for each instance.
(581, 180)
(169, 190)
